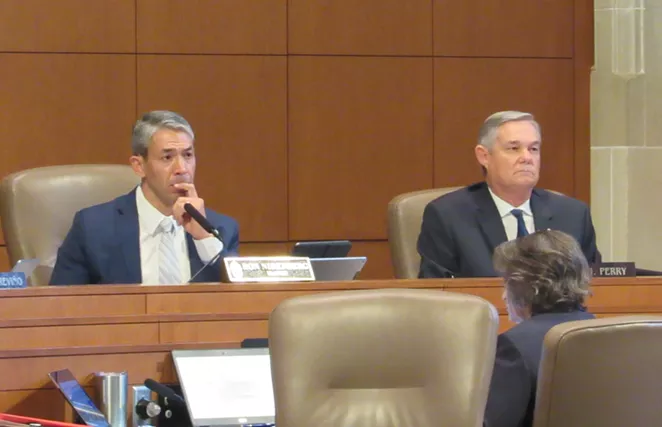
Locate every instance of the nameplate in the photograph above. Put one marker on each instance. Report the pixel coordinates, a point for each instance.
(13, 281)
(268, 269)
(614, 269)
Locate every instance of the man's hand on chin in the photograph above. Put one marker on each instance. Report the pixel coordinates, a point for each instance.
(183, 218)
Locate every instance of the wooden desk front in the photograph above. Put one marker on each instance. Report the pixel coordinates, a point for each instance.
(133, 328)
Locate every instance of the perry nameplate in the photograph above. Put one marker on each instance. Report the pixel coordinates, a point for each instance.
(268, 269)
(13, 281)
(614, 269)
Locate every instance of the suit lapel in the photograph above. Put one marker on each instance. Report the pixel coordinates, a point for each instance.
(488, 217)
(542, 213)
(128, 238)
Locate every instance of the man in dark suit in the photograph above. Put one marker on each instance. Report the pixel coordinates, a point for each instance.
(546, 281)
(146, 236)
(461, 229)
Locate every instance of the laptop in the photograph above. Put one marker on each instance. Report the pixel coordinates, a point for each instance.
(226, 388)
(75, 394)
(337, 269)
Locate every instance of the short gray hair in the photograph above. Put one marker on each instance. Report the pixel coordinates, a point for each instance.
(488, 131)
(150, 123)
(545, 271)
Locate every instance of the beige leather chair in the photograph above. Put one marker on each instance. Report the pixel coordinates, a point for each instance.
(382, 358)
(37, 207)
(603, 372)
(405, 215)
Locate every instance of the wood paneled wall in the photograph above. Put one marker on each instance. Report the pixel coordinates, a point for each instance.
(310, 115)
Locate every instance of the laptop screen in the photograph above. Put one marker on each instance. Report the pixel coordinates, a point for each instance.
(337, 269)
(226, 387)
(74, 393)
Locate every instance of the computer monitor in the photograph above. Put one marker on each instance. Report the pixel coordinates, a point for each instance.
(226, 387)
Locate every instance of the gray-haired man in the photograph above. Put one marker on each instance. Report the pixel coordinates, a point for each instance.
(461, 229)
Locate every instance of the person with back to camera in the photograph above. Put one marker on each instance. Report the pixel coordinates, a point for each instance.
(546, 281)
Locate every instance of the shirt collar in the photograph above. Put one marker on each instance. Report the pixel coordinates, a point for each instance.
(149, 217)
(504, 207)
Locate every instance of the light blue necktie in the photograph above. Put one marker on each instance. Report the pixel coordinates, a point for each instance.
(169, 269)
(521, 226)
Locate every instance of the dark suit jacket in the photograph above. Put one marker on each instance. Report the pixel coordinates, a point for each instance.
(461, 229)
(512, 395)
(103, 246)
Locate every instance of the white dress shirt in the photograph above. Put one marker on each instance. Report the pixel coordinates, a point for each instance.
(149, 219)
(509, 220)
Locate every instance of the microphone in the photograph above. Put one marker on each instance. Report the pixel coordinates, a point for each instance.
(443, 271)
(171, 398)
(204, 222)
(146, 409)
(211, 261)
(174, 412)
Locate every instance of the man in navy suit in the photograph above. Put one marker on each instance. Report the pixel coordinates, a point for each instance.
(546, 281)
(146, 236)
(461, 229)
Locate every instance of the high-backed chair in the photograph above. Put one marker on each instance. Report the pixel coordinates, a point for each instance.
(405, 215)
(37, 207)
(602, 372)
(382, 358)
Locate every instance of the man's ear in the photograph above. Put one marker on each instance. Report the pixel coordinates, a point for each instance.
(482, 155)
(138, 165)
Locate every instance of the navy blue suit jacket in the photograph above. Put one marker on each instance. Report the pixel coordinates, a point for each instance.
(512, 395)
(461, 229)
(103, 246)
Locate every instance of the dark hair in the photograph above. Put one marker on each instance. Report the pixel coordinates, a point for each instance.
(545, 271)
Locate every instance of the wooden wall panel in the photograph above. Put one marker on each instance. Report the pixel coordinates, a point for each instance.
(264, 249)
(379, 264)
(366, 27)
(469, 90)
(67, 26)
(504, 28)
(4, 259)
(78, 336)
(72, 306)
(218, 331)
(616, 298)
(213, 302)
(237, 108)
(360, 132)
(212, 26)
(32, 373)
(46, 403)
(66, 109)
(584, 42)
